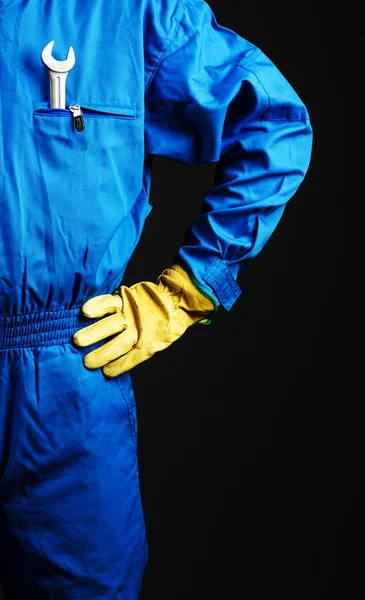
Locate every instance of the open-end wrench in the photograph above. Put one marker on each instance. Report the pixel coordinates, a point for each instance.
(58, 71)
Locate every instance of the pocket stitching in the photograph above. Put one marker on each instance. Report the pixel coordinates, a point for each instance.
(41, 108)
(131, 418)
(8, 468)
(11, 458)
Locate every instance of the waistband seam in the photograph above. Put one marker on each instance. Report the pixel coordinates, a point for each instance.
(41, 328)
(47, 311)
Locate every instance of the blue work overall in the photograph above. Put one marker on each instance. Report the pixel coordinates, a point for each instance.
(151, 78)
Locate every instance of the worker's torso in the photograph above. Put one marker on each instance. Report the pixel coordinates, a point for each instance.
(72, 204)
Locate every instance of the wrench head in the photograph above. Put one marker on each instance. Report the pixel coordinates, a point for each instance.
(58, 66)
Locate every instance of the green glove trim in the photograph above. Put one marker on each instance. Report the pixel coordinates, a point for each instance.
(207, 321)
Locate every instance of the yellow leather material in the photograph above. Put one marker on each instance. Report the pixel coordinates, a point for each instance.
(140, 320)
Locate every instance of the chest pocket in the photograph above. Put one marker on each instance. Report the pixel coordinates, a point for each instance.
(102, 162)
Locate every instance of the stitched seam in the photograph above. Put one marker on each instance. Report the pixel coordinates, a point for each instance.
(304, 118)
(132, 424)
(166, 49)
(219, 268)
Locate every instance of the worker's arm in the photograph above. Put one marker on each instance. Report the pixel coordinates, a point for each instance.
(210, 97)
(214, 97)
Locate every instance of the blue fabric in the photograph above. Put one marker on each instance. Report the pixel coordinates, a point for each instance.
(71, 518)
(153, 78)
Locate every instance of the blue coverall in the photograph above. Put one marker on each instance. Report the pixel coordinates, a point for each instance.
(153, 77)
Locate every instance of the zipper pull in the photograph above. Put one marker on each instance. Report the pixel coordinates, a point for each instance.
(78, 118)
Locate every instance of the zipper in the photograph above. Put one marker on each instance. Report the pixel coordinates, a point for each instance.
(78, 112)
(77, 117)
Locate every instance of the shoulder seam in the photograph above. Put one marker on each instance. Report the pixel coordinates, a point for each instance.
(249, 58)
(181, 2)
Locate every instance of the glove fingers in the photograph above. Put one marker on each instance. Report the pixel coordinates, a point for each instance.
(99, 306)
(133, 358)
(100, 330)
(113, 349)
(125, 363)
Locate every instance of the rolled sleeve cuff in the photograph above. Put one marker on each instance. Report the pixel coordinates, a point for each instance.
(220, 279)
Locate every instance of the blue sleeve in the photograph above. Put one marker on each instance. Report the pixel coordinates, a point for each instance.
(214, 97)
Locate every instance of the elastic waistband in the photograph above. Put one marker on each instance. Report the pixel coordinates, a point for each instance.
(43, 328)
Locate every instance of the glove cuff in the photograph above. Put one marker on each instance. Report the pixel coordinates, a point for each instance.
(195, 297)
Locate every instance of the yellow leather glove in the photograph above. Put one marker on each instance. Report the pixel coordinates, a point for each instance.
(144, 318)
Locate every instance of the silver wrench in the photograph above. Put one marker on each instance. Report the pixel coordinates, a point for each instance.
(58, 71)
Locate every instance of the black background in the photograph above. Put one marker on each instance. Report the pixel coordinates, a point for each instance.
(250, 435)
(250, 430)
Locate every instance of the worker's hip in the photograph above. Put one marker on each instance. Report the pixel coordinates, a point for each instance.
(51, 405)
(70, 506)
